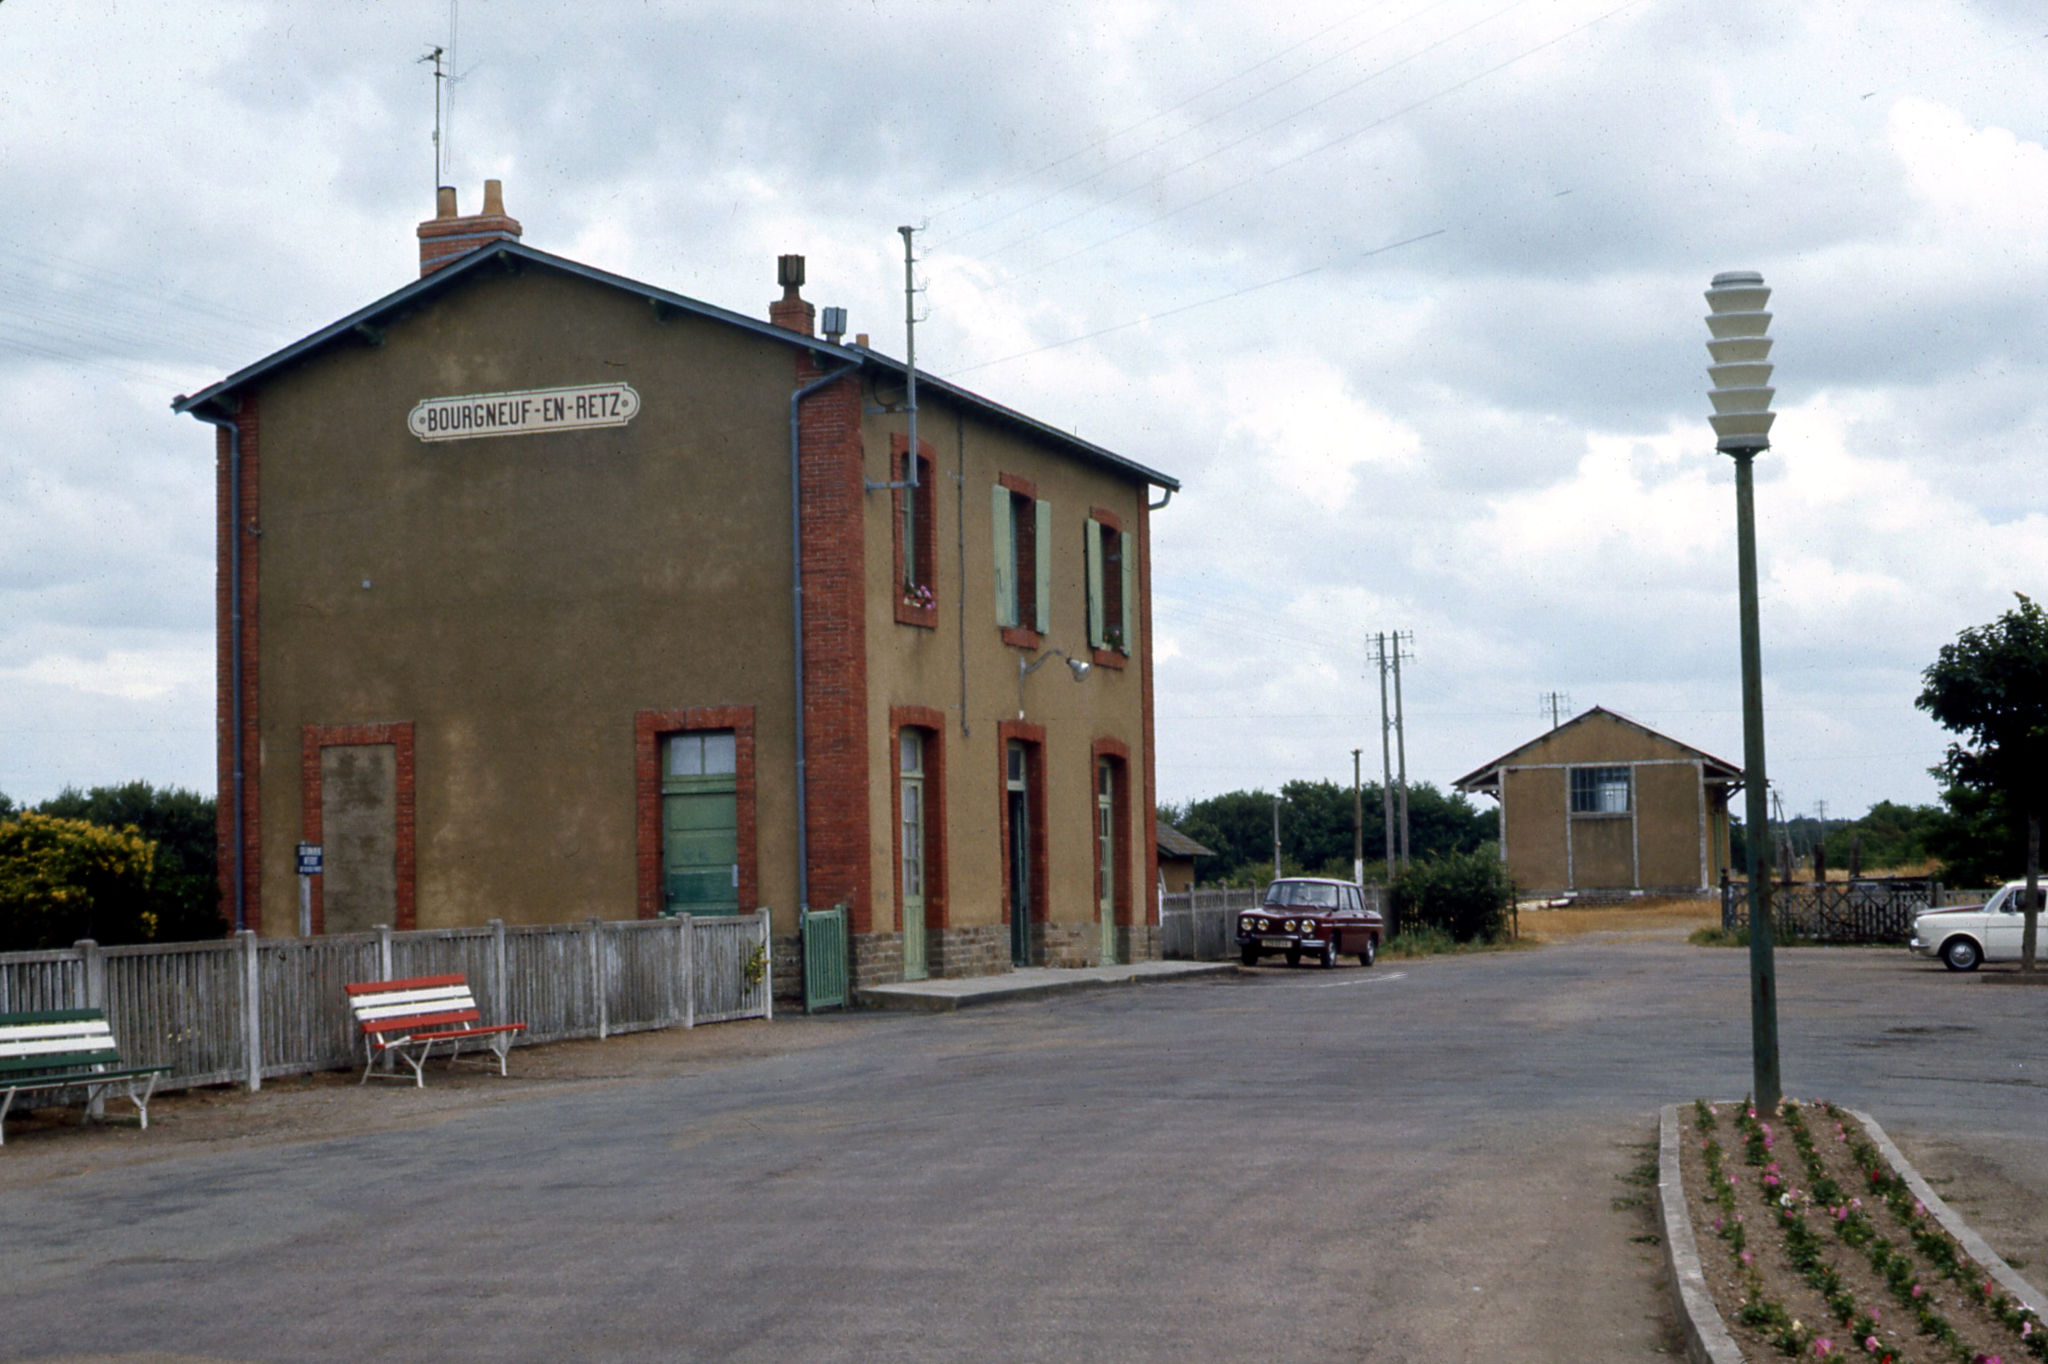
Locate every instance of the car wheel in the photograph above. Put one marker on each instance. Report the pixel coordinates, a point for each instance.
(1960, 954)
(1248, 955)
(1294, 956)
(1330, 953)
(1371, 952)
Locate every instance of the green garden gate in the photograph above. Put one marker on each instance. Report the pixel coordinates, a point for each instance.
(824, 941)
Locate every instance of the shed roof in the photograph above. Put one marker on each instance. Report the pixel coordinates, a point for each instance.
(511, 255)
(1486, 777)
(1174, 843)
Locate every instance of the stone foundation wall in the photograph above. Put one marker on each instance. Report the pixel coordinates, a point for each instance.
(786, 971)
(877, 959)
(980, 951)
(1137, 942)
(1066, 945)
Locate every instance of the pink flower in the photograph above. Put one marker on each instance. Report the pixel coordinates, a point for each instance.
(1747, 1259)
(1919, 1208)
(2026, 1328)
(1823, 1346)
(1870, 1344)
(1916, 1290)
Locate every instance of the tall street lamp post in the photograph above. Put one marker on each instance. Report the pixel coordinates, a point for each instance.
(1741, 395)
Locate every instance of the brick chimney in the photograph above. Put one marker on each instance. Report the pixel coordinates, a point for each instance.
(447, 237)
(791, 310)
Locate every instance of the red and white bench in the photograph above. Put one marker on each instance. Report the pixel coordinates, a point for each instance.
(409, 1018)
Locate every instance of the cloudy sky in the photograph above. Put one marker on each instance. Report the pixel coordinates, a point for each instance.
(1407, 294)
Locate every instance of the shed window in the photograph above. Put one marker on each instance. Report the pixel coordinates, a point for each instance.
(1600, 790)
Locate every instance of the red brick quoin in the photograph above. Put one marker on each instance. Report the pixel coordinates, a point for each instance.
(649, 726)
(249, 420)
(933, 723)
(831, 479)
(313, 738)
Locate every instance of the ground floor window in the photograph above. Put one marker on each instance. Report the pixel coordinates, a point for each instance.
(695, 794)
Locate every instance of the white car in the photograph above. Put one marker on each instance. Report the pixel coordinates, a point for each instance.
(1967, 935)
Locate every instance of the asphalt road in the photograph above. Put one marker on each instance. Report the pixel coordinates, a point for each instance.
(1420, 1161)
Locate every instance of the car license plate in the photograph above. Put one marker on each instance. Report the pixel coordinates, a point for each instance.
(1276, 942)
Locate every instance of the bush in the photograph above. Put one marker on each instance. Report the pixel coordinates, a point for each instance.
(1467, 895)
(184, 890)
(66, 879)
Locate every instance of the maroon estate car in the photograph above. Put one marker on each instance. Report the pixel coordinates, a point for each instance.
(1308, 914)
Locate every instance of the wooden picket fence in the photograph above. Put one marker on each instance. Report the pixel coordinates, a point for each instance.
(250, 1009)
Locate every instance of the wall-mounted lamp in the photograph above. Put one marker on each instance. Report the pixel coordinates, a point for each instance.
(1079, 667)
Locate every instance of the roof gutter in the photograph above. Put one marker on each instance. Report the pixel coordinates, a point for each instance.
(234, 433)
(796, 590)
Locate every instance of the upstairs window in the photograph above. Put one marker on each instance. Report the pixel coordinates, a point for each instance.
(1022, 524)
(1112, 584)
(1600, 790)
(916, 539)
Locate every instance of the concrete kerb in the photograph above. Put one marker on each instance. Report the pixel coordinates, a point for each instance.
(946, 994)
(1972, 1244)
(1706, 1335)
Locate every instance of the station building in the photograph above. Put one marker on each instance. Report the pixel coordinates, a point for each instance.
(546, 594)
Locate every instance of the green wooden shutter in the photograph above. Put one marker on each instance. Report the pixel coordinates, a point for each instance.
(1041, 530)
(1130, 621)
(1006, 557)
(1097, 626)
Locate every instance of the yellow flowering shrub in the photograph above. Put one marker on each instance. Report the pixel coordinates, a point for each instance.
(66, 879)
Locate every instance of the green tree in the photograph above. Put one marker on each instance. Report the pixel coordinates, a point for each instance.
(184, 892)
(66, 879)
(1991, 688)
(1315, 828)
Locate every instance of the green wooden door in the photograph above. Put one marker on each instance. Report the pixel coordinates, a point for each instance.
(700, 824)
(1105, 856)
(911, 880)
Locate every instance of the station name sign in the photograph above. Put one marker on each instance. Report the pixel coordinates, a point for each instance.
(525, 412)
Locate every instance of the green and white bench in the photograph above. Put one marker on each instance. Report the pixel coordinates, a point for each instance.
(409, 1018)
(68, 1049)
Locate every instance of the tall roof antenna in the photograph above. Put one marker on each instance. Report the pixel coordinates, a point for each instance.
(440, 77)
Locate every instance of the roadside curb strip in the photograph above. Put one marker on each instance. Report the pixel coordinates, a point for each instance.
(1973, 1244)
(1706, 1336)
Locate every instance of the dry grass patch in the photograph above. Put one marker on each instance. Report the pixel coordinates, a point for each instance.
(1645, 917)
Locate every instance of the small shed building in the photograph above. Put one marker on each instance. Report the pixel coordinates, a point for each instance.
(1604, 804)
(1177, 854)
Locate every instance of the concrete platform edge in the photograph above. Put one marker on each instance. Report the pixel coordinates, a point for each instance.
(947, 1000)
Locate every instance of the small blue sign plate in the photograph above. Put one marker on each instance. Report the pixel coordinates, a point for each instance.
(309, 859)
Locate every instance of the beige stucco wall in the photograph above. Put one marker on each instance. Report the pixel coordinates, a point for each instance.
(528, 594)
(1657, 846)
(914, 666)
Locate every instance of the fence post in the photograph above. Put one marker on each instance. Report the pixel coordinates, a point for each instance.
(252, 1007)
(501, 988)
(89, 991)
(689, 969)
(384, 952)
(592, 931)
(767, 966)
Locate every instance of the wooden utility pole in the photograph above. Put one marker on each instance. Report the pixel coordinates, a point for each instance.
(1357, 821)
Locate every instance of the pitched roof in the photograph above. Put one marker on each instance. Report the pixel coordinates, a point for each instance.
(1487, 774)
(505, 254)
(1174, 843)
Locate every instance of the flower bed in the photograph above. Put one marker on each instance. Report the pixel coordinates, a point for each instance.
(1814, 1247)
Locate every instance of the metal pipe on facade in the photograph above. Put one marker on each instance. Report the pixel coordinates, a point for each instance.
(796, 590)
(234, 431)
